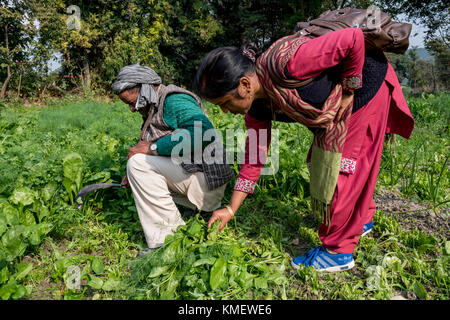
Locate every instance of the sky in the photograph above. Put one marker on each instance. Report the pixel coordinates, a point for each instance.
(417, 40)
(417, 33)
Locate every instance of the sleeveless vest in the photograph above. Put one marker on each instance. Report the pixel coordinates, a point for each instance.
(154, 128)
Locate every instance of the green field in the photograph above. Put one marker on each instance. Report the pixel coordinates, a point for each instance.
(51, 250)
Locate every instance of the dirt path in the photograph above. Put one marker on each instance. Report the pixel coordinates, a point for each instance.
(412, 215)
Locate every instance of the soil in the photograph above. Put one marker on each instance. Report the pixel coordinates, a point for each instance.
(409, 214)
(46, 290)
(412, 215)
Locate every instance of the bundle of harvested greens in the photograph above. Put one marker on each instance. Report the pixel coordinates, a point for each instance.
(197, 263)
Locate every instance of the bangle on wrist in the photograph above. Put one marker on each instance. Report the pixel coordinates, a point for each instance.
(230, 211)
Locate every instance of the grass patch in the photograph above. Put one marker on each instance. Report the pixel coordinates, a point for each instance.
(51, 250)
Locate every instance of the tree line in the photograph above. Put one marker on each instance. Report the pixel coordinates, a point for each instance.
(94, 39)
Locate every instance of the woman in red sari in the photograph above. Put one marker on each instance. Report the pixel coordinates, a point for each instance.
(352, 101)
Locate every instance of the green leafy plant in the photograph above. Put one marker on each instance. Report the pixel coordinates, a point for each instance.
(74, 142)
(73, 174)
(221, 267)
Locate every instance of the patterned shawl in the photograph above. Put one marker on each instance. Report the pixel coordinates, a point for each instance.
(329, 134)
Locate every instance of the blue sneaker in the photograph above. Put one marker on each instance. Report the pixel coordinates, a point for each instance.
(321, 260)
(367, 228)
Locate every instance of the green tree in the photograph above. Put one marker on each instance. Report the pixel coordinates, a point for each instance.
(413, 72)
(97, 38)
(260, 22)
(433, 14)
(163, 34)
(16, 35)
(441, 53)
(401, 64)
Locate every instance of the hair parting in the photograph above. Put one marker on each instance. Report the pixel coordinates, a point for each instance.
(221, 70)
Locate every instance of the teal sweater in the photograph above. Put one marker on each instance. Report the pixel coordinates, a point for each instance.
(180, 112)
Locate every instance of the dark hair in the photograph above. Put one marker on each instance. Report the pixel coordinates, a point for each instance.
(221, 70)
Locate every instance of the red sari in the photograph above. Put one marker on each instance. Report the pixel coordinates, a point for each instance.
(386, 112)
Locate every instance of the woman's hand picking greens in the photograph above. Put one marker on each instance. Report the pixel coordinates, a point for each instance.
(223, 215)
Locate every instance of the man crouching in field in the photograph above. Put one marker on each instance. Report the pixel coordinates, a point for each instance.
(156, 180)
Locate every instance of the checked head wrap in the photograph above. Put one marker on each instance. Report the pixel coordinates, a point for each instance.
(134, 75)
